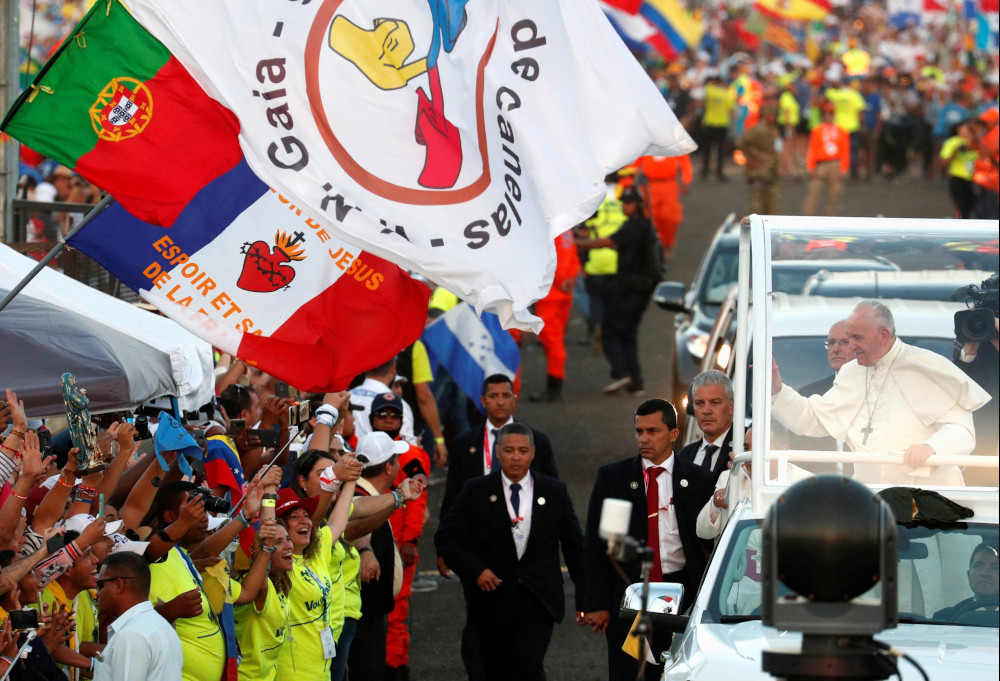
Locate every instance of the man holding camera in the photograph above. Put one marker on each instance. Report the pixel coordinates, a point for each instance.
(978, 357)
(892, 397)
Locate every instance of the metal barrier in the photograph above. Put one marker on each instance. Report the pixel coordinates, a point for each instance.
(39, 225)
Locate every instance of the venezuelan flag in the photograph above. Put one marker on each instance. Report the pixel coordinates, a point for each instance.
(677, 29)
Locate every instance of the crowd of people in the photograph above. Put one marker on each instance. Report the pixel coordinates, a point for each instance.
(194, 552)
(197, 552)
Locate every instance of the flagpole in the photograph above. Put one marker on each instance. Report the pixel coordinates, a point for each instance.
(94, 212)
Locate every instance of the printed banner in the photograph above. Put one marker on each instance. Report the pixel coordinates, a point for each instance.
(249, 271)
(456, 140)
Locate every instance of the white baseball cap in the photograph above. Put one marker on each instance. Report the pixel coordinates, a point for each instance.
(377, 448)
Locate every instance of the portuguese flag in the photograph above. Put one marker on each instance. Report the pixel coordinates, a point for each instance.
(118, 108)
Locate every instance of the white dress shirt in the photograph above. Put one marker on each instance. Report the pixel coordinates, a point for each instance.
(488, 442)
(142, 646)
(671, 549)
(520, 524)
(700, 456)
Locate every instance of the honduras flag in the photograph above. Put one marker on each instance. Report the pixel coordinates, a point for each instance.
(471, 348)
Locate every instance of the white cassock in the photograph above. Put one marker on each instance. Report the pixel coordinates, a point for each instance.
(910, 396)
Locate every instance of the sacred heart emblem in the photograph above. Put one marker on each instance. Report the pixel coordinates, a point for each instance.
(267, 269)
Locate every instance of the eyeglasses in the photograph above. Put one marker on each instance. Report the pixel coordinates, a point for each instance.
(832, 343)
(387, 413)
(102, 582)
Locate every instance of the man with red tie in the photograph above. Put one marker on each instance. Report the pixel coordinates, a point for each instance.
(666, 494)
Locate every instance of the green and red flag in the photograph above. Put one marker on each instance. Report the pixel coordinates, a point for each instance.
(117, 107)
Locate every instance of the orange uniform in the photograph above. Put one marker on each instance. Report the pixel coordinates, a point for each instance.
(662, 193)
(829, 142)
(407, 526)
(555, 307)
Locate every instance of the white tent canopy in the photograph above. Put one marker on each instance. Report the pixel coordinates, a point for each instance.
(55, 316)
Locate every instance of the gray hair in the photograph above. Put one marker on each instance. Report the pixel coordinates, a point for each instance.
(882, 314)
(713, 377)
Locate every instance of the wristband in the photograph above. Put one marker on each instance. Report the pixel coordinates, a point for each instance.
(365, 548)
(92, 663)
(8, 660)
(328, 481)
(400, 501)
(241, 516)
(439, 440)
(162, 534)
(16, 454)
(65, 484)
(268, 550)
(328, 410)
(18, 495)
(15, 432)
(268, 503)
(325, 420)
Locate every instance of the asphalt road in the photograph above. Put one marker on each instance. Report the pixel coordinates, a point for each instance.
(588, 429)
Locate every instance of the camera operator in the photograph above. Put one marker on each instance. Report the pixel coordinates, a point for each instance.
(979, 360)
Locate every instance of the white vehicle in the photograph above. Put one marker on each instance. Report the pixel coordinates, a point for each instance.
(722, 636)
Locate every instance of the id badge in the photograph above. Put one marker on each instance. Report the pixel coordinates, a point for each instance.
(329, 645)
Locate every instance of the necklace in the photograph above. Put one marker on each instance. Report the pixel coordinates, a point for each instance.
(867, 430)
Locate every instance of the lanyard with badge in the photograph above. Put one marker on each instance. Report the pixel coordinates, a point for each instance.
(326, 633)
(197, 578)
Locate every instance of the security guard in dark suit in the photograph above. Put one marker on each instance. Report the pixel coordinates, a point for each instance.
(502, 537)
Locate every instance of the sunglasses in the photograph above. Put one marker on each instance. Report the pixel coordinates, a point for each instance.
(105, 580)
(387, 413)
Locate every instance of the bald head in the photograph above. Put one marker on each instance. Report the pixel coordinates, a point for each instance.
(872, 332)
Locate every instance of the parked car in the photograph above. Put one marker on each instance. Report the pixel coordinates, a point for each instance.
(913, 285)
(697, 306)
(790, 276)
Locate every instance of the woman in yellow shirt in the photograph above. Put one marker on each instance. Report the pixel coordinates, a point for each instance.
(262, 625)
(315, 618)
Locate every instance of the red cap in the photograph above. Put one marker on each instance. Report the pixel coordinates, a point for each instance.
(990, 116)
(288, 501)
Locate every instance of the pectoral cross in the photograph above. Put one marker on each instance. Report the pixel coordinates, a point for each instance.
(867, 430)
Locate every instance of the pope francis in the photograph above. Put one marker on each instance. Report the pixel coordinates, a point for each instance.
(893, 398)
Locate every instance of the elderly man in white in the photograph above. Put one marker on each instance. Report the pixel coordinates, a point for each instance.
(892, 397)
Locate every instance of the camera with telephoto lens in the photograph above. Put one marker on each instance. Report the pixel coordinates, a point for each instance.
(977, 324)
(213, 504)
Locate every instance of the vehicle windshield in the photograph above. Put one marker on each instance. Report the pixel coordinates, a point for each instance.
(721, 274)
(945, 575)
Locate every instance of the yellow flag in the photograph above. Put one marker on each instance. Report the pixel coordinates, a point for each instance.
(631, 645)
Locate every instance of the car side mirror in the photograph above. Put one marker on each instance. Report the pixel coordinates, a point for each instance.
(663, 605)
(670, 296)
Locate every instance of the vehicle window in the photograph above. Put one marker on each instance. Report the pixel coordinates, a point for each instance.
(788, 280)
(945, 575)
(720, 276)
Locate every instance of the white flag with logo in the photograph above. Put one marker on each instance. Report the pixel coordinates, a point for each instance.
(454, 138)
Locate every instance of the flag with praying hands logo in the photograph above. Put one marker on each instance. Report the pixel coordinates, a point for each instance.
(456, 139)
(193, 228)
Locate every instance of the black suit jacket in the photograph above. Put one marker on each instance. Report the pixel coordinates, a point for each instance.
(465, 461)
(692, 488)
(721, 463)
(476, 535)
